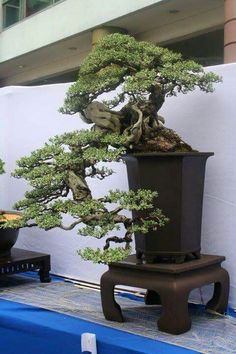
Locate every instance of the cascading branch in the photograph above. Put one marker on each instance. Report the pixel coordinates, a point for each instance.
(58, 175)
(140, 75)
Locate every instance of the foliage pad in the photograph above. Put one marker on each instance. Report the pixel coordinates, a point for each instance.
(140, 75)
(58, 174)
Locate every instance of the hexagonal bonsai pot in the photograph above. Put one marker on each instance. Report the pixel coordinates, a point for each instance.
(179, 178)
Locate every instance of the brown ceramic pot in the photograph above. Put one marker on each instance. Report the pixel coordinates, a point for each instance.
(179, 180)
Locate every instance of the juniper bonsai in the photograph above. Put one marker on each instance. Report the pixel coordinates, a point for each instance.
(140, 75)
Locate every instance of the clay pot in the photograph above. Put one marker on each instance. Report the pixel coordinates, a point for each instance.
(179, 180)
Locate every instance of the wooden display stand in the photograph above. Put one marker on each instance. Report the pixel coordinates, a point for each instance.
(23, 261)
(168, 285)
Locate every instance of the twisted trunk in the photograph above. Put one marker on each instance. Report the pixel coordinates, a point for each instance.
(140, 122)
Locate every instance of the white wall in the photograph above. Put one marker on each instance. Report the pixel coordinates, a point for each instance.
(207, 121)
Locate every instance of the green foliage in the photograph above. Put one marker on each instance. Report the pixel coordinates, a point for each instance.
(47, 169)
(133, 200)
(14, 224)
(103, 154)
(107, 256)
(137, 67)
(99, 229)
(1, 167)
(57, 176)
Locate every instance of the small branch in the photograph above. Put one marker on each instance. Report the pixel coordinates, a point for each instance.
(71, 226)
(122, 219)
(128, 237)
(116, 239)
(116, 210)
(45, 201)
(31, 225)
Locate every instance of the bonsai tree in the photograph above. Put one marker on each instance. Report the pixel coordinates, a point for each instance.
(140, 75)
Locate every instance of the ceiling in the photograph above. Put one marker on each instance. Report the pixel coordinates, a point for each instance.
(64, 57)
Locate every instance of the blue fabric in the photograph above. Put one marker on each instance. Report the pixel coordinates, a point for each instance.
(131, 297)
(34, 275)
(231, 312)
(31, 330)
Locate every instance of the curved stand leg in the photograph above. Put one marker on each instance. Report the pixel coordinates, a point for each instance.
(219, 301)
(111, 309)
(174, 317)
(152, 298)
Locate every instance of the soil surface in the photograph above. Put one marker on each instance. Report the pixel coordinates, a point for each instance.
(9, 216)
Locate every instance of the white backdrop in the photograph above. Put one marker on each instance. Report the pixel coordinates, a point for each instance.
(29, 116)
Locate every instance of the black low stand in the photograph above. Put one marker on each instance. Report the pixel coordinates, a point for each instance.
(23, 261)
(168, 285)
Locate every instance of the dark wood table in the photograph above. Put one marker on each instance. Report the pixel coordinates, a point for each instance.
(23, 261)
(168, 285)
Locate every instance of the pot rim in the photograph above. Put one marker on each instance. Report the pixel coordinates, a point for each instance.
(12, 212)
(169, 154)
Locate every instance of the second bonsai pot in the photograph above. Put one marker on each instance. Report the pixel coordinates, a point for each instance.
(8, 236)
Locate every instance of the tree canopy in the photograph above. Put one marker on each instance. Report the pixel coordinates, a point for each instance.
(140, 75)
(139, 68)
